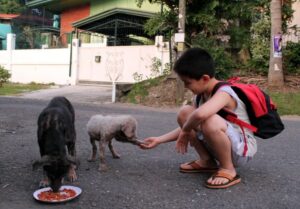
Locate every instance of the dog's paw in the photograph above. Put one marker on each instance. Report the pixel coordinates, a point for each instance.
(72, 175)
(44, 183)
(116, 156)
(103, 168)
(91, 159)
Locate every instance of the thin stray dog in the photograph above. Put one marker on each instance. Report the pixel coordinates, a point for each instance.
(104, 129)
(56, 139)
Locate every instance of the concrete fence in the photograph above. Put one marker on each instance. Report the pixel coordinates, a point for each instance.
(69, 66)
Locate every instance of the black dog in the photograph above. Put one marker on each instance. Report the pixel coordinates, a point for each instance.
(56, 138)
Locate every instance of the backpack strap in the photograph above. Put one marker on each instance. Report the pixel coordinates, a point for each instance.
(216, 87)
(226, 114)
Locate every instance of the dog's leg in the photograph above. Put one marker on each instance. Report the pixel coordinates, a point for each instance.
(72, 151)
(94, 150)
(111, 148)
(72, 173)
(45, 181)
(102, 166)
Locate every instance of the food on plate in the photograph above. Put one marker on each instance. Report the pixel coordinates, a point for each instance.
(57, 196)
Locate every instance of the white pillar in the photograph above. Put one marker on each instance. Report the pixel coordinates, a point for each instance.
(113, 96)
(10, 46)
(11, 41)
(74, 61)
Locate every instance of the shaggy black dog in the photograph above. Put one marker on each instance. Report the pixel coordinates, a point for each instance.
(56, 138)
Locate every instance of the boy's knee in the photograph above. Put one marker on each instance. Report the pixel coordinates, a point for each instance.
(213, 124)
(184, 113)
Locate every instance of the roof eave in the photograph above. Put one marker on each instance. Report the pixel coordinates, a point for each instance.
(112, 12)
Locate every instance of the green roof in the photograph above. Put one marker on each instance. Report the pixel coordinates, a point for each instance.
(108, 13)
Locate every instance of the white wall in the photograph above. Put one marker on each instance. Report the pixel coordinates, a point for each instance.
(53, 65)
(40, 66)
(4, 58)
(127, 60)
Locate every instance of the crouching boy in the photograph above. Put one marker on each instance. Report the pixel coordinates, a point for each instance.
(221, 145)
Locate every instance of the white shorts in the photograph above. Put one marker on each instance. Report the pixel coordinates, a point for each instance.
(243, 148)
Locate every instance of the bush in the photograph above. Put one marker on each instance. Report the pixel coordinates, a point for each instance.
(291, 58)
(4, 75)
(260, 45)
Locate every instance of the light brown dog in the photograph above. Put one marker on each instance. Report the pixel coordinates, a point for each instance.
(105, 128)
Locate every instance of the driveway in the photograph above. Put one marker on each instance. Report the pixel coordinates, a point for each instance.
(99, 94)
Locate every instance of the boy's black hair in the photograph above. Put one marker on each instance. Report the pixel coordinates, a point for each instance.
(194, 63)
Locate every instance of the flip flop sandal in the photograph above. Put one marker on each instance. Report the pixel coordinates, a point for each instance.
(232, 180)
(196, 168)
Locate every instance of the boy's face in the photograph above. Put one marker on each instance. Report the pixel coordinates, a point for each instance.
(196, 86)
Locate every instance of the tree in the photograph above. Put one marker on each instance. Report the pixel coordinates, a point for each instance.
(11, 6)
(275, 74)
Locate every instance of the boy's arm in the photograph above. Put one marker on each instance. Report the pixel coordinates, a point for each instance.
(170, 136)
(210, 107)
(152, 142)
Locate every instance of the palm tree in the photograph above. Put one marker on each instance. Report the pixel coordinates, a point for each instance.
(275, 75)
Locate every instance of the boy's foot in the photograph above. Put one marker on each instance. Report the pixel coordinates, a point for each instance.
(223, 179)
(198, 166)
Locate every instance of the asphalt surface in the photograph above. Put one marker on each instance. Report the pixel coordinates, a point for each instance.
(140, 179)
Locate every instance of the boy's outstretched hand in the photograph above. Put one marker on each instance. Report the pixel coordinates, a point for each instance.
(150, 143)
(182, 142)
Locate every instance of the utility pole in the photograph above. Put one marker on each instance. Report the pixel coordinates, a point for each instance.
(179, 38)
(275, 74)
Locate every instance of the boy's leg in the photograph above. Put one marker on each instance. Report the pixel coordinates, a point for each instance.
(205, 158)
(214, 130)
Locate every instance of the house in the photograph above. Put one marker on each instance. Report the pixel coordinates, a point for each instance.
(5, 28)
(120, 21)
(87, 29)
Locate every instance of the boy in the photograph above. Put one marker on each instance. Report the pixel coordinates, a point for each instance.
(221, 145)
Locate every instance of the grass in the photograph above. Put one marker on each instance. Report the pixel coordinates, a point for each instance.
(287, 103)
(16, 88)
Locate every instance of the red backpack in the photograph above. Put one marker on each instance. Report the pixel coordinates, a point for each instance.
(262, 112)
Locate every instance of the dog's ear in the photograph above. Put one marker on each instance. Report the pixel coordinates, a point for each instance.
(128, 129)
(46, 160)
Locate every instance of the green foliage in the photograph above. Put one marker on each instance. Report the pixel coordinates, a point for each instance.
(291, 58)
(11, 6)
(223, 62)
(260, 45)
(27, 37)
(4, 75)
(163, 23)
(140, 90)
(157, 69)
(220, 18)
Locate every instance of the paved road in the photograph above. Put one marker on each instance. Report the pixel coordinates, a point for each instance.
(142, 179)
